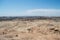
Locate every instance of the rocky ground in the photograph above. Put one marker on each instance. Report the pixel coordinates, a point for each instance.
(30, 30)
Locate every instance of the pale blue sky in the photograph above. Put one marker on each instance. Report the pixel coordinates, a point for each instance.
(29, 7)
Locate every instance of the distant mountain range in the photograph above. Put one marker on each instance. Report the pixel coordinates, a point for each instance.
(28, 18)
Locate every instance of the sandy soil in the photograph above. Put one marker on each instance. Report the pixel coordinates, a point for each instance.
(30, 30)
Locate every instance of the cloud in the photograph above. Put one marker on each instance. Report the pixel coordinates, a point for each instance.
(43, 11)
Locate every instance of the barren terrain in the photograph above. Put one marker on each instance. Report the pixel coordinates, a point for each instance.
(30, 30)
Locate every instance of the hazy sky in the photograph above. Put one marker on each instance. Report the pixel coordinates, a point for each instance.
(29, 7)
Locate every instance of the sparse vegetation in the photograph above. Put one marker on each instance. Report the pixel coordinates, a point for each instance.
(29, 28)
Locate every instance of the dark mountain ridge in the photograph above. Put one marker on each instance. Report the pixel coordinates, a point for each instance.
(28, 18)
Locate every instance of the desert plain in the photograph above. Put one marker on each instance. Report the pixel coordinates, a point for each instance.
(30, 30)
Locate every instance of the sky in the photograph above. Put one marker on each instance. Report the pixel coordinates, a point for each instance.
(29, 7)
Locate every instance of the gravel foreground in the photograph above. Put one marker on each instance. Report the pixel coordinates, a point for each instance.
(30, 30)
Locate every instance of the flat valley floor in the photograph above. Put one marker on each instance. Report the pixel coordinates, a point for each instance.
(30, 30)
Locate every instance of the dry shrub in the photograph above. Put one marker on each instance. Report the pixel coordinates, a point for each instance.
(29, 30)
(55, 30)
